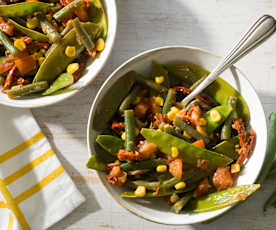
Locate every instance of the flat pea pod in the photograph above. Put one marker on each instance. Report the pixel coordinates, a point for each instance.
(270, 151)
(130, 130)
(271, 202)
(183, 125)
(96, 163)
(57, 61)
(170, 101)
(30, 33)
(227, 147)
(189, 153)
(179, 205)
(158, 70)
(227, 126)
(49, 29)
(146, 164)
(64, 80)
(22, 9)
(8, 44)
(67, 10)
(222, 199)
(126, 103)
(110, 143)
(97, 14)
(27, 89)
(223, 110)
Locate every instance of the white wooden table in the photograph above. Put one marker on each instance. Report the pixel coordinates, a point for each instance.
(145, 24)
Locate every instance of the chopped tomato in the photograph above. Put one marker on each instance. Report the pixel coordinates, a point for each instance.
(9, 79)
(118, 127)
(6, 27)
(202, 164)
(117, 176)
(21, 81)
(202, 188)
(223, 178)
(25, 64)
(141, 109)
(5, 66)
(199, 143)
(82, 13)
(124, 155)
(147, 149)
(175, 168)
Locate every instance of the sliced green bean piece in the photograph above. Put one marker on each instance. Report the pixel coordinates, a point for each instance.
(30, 33)
(167, 128)
(67, 10)
(126, 103)
(271, 149)
(179, 205)
(169, 183)
(146, 164)
(27, 89)
(130, 130)
(110, 143)
(170, 101)
(152, 185)
(158, 70)
(95, 163)
(84, 37)
(222, 199)
(190, 130)
(8, 44)
(228, 147)
(152, 85)
(22, 9)
(50, 30)
(189, 153)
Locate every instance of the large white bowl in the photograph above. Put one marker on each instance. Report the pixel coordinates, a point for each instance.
(158, 211)
(91, 71)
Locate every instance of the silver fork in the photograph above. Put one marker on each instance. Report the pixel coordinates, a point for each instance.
(262, 29)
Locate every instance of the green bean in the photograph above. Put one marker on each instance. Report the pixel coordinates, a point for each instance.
(153, 185)
(47, 28)
(270, 151)
(190, 130)
(8, 44)
(158, 70)
(197, 83)
(129, 98)
(147, 164)
(179, 205)
(27, 89)
(67, 10)
(169, 183)
(130, 130)
(110, 143)
(170, 101)
(83, 35)
(271, 202)
(167, 128)
(64, 80)
(152, 85)
(19, 20)
(95, 163)
(227, 127)
(67, 28)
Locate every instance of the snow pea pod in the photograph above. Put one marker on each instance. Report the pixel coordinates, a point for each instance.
(227, 147)
(22, 9)
(189, 153)
(30, 33)
(96, 163)
(218, 200)
(110, 143)
(223, 110)
(64, 80)
(147, 164)
(67, 10)
(158, 70)
(57, 61)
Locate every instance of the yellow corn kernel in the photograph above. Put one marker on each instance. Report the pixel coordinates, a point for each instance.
(140, 191)
(161, 168)
(187, 135)
(215, 116)
(100, 44)
(15, 87)
(136, 100)
(174, 197)
(123, 136)
(41, 60)
(182, 111)
(175, 152)
(159, 80)
(32, 23)
(180, 185)
(70, 51)
(72, 68)
(136, 132)
(171, 115)
(235, 168)
(19, 44)
(159, 101)
(202, 121)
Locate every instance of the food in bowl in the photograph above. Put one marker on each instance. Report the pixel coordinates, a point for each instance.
(45, 45)
(191, 154)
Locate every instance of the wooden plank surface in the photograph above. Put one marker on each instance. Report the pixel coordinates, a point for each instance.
(210, 24)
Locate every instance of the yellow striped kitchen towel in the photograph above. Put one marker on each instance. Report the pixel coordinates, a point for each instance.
(35, 190)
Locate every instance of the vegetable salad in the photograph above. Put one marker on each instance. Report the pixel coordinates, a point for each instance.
(190, 154)
(45, 45)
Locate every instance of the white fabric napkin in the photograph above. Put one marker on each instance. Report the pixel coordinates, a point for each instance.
(35, 191)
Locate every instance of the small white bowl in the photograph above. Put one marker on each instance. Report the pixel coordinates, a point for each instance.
(90, 73)
(158, 211)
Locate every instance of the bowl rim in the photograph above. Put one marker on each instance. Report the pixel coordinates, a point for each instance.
(93, 107)
(73, 92)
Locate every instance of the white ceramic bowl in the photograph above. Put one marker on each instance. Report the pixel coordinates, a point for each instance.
(158, 211)
(91, 71)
